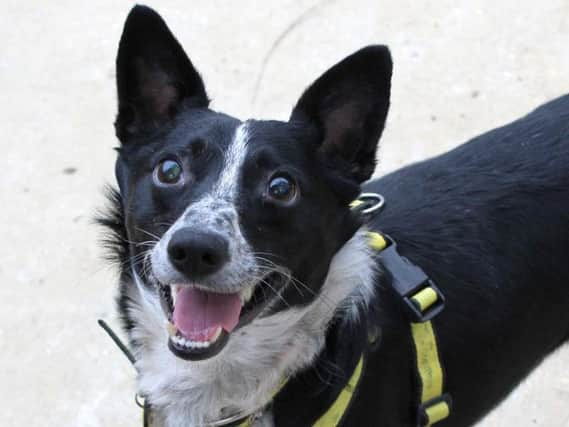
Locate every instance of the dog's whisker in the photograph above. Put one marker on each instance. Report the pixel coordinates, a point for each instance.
(140, 259)
(142, 230)
(146, 243)
(132, 260)
(164, 224)
(124, 239)
(277, 293)
(331, 369)
(272, 267)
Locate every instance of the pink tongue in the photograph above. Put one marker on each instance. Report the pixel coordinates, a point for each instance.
(198, 314)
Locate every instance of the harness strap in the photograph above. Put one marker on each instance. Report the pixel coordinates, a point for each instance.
(422, 300)
(434, 403)
(334, 415)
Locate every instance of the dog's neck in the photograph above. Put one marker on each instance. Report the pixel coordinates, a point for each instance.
(243, 377)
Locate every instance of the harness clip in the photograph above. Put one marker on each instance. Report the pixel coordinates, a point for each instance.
(422, 298)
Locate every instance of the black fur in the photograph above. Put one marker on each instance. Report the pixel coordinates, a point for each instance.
(115, 240)
(488, 221)
(154, 75)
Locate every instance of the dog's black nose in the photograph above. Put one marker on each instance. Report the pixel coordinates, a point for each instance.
(197, 253)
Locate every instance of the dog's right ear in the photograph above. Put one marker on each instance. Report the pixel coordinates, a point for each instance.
(154, 75)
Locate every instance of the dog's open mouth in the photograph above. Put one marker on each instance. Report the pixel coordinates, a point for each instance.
(201, 321)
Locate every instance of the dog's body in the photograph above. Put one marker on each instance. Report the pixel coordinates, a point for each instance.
(237, 210)
(489, 222)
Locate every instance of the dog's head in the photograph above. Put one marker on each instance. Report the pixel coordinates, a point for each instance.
(231, 223)
(234, 234)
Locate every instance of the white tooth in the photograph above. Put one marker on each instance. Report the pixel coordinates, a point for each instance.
(216, 335)
(184, 342)
(246, 294)
(174, 289)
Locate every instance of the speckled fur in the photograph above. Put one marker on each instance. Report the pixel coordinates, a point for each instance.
(257, 356)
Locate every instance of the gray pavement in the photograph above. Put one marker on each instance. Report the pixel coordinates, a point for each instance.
(460, 68)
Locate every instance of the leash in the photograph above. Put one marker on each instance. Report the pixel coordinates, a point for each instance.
(422, 301)
(138, 399)
(122, 347)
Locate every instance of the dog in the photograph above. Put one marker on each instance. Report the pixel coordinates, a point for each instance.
(242, 263)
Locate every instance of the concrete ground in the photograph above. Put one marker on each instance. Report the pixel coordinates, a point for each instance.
(460, 68)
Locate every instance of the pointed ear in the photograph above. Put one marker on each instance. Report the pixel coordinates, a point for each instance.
(154, 75)
(348, 105)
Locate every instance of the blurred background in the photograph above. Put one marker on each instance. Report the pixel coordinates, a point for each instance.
(461, 68)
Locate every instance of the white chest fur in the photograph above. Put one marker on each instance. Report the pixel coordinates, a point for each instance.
(257, 357)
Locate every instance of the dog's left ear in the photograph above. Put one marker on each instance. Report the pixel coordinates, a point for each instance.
(348, 104)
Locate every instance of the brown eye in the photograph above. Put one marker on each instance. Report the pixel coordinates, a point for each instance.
(169, 171)
(282, 188)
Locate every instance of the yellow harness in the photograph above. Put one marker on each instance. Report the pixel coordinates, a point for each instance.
(434, 404)
(422, 299)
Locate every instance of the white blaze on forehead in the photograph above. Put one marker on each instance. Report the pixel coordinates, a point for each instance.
(234, 157)
(215, 212)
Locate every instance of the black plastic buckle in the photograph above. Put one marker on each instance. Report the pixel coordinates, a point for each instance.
(409, 279)
(422, 415)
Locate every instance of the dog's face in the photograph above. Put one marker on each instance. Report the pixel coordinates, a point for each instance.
(229, 222)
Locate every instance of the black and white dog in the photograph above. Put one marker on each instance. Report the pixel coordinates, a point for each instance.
(243, 264)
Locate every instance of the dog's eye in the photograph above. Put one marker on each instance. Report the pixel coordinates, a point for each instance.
(169, 171)
(282, 188)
